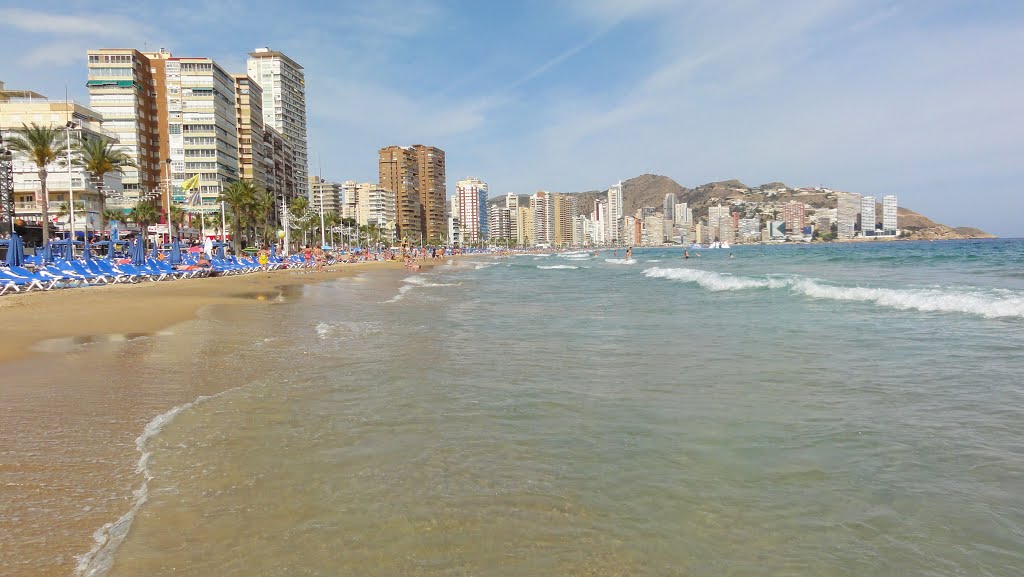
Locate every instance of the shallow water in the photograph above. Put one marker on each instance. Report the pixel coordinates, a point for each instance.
(832, 410)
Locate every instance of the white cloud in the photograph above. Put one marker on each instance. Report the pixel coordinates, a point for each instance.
(92, 25)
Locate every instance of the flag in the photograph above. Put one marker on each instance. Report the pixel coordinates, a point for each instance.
(193, 199)
(190, 183)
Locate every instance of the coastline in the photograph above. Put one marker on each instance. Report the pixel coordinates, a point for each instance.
(32, 318)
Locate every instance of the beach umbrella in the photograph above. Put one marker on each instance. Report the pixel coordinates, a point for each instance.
(138, 252)
(273, 251)
(47, 252)
(175, 251)
(156, 250)
(220, 250)
(86, 253)
(15, 251)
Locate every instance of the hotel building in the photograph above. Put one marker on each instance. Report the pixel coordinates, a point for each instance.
(329, 193)
(615, 224)
(543, 207)
(566, 209)
(433, 190)
(399, 173)
(472, 198)
(284, 104)
(868, 216)
(848, 208)
(889, 225)
(121, 89)
(794, 215)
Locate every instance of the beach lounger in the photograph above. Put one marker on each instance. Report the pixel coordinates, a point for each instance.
(27, 280)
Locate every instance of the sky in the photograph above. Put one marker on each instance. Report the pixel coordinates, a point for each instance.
(918, 99)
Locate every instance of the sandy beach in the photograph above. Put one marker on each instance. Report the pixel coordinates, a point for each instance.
(141, 308)
(70, 416)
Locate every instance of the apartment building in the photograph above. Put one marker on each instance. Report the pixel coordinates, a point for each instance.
(284, 104)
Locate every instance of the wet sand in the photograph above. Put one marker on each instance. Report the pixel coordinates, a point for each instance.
(143, 308)
(70, 414)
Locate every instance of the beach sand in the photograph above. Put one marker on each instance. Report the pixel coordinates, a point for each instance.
(141, 308)
(70, 415)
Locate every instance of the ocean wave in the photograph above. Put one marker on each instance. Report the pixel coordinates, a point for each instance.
(558, 266)
(401, 293)
(346, 329)
(620, 260)
(988, 304)
(714, 281)
(420, 280)
(109, 537)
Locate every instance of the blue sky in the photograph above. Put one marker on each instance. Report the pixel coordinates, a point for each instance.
(919, 99)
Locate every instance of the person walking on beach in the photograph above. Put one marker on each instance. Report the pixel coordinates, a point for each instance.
(318, 256)
(307, 256)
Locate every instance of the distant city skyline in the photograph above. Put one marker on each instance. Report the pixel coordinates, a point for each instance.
(870, 97)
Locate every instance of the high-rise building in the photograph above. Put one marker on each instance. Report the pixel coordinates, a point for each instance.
(600, 217)
(794, 214)
(868, 216)
(200, 134)
(472, 194)
(889, 224)
(527, 220)
(566, 209)
(499, 223)
(400, 173)
(433, 190)
(512, 206)
(376, 206)
(280, 173)
(653, 230)
(669, 206)
(512, 201)
(284, 104)
(121, 89)
(682, 214)
(254, 161)
(615, 224)
(330, 193)
(848, 208)
(543, 207)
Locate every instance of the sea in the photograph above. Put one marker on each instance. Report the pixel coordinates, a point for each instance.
(771, 410)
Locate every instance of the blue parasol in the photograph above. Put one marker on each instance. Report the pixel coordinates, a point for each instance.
(138, 252)
(220, 251)
(273, 251)
(175, 251)
(86, 253)
(47, 252)
(15, 251)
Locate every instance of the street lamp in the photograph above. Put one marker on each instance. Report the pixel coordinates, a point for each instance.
(68, 127)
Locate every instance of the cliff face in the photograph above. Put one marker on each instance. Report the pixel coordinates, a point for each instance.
(650, 190)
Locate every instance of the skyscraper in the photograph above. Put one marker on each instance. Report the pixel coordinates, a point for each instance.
(472, 194)
(669, 206)
(121, 89)
(284, 104)
(848, 207)
(566, 209)
(889, 224)
(542, 204)
(793, 214)
(199, 131)
(433, 190)
(615, 214)
(868, 216)
(400, 173)
(254, 162)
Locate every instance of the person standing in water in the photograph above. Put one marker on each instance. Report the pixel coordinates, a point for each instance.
(686, 253)
(629, 253)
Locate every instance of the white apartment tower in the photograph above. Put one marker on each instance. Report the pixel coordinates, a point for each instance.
(867, 216)
(615, 213)
(669, 206)
(847, 209)
(284, 104)
(543, 206)
(889, 214)
(682, 214)
(472, 198)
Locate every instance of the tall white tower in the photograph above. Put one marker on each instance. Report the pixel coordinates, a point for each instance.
(615, 213)
(284, 104)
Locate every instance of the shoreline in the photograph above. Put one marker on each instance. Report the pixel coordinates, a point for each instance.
(34, 318)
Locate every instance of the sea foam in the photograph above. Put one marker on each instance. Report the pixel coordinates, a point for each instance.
(558, 266)
(109, 537)
(979, 302)
(620, 260)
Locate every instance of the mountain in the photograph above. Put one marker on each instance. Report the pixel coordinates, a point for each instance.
(650, 190)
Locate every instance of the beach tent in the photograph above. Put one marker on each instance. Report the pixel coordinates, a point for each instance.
(175, 251)
(15, 251)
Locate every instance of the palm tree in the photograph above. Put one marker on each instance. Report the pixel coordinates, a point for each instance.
(144, 214)
(331, 221)
(99, 158)
(42, 145)
(63, 211)
(239, 196)
(178, 217)
(298, 207)
(109, 215)
(264, 209)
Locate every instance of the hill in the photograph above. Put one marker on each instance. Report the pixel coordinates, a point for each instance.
(765, 199)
